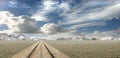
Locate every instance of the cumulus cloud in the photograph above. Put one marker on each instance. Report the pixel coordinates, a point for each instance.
(26, 24)
(5, 14)
(17, 24)
(90, 13)
(40, 17)
(51, 28)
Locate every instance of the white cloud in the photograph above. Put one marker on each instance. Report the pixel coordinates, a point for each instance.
(13, 3)
(104, 14)
(77, 16)
(51, 28)
(85, 13)
(16, 4)
(26, 24)
(49, 6)
(88, 24)
(64, 6)
(5, 14)
(40, 18)
(17, 24)
(54, 31)
(106, 35)
(50, 2)
(7, 19)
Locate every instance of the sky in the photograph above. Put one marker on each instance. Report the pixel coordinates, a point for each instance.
(59, 16)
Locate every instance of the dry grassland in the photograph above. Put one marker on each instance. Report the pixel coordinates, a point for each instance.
(88, 49)
(9, 48)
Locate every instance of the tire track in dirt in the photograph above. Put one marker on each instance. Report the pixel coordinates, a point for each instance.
(40, 50)
(25, 53)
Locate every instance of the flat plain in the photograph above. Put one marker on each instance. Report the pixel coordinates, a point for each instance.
(88, 49)
(72, 48)
(9, 48)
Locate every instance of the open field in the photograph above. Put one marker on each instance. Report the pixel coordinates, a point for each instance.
(9, 48)
(88, 49)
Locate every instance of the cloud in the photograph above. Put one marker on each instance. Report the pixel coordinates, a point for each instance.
(7, 19)
(118, 27)
(87, 24)
(50, 2)
(65, 6)
(89, 11)
(16, 4)
(28, 26)
(49, 6)
(84, 14)
(111, 35)
(40, 18)
(51, 28)
(103, 14)
(21, 24)
(5, 14)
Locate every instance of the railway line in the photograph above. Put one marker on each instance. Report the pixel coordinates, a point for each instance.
(40, 50)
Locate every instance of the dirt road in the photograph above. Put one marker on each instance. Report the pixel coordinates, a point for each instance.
(40, 50)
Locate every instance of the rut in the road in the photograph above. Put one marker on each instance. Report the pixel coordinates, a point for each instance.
(40, 50)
